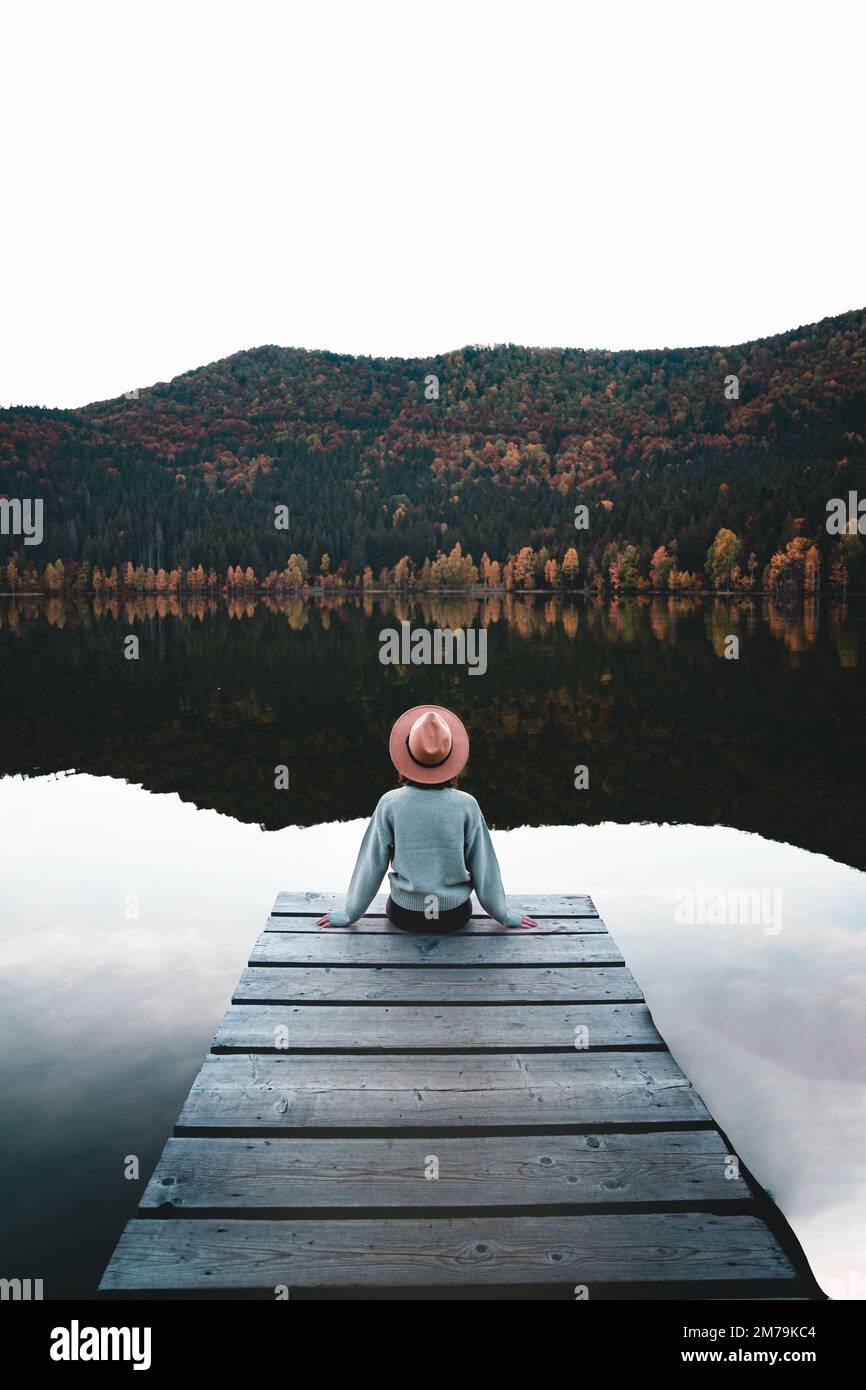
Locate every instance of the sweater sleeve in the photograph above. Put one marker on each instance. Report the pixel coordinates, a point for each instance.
(374, 856)
(483, 867)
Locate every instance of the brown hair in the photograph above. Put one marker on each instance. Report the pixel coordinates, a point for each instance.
(427, 786)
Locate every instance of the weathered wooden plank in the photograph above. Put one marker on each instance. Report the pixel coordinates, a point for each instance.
(400, 1050)
(391, 1091)
(474, 927)
(482, 1171)
(433, 1027)
(434, 984)
(466, 1251)
(510, 948)
(536, 904)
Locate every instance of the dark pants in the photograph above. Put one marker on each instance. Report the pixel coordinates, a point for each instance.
(452, 920)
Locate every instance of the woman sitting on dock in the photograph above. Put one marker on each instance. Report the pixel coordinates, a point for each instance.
(439, 846)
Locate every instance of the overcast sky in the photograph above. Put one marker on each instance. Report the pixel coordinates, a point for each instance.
(185, 180)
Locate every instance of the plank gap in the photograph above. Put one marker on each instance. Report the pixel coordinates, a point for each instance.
(737, 1206)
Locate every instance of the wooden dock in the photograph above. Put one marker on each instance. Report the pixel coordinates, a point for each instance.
(491, 1114)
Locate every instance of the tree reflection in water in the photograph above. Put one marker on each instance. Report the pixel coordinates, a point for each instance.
(638, 690)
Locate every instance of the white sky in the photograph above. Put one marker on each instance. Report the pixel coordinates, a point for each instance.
(185, 180)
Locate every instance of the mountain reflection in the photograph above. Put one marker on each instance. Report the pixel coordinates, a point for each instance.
(639, 691)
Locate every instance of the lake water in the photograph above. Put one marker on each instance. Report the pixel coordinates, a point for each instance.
(143, 842)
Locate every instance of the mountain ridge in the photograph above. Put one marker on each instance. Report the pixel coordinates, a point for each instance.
(373, 468)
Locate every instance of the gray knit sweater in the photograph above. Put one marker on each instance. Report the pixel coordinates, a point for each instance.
(438, 843)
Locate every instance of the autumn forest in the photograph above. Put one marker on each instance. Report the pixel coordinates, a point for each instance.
(280, 471)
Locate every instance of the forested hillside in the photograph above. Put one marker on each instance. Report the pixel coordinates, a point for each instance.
(378, 473)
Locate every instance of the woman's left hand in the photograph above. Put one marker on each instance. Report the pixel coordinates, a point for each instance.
(527, 921)
(324, 921)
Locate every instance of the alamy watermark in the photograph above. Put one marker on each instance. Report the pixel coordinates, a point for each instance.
(703, 905)
(846, 519)
(21, 517)
(77, 1343)
(441, 647)
(20, 1290)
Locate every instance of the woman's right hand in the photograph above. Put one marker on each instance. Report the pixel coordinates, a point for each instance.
(324, 921)
(527, 921)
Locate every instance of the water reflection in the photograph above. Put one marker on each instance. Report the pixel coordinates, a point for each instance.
(797, 626)
(128, 918)
(105, 1016)
(640, 691)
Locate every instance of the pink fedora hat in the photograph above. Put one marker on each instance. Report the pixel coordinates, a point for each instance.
(429, 744)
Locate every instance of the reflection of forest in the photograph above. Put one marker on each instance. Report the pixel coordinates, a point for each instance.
(639, 690)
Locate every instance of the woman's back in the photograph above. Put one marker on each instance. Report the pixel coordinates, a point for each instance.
(439, 847)
(430, 829)
(434, 836)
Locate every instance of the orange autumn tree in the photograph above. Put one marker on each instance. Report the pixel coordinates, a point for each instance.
(524, 568)
(661, 566)
(570, 566)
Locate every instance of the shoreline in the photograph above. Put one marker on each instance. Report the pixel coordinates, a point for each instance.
(499, 593)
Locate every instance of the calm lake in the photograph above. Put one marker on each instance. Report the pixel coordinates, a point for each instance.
(143, 842)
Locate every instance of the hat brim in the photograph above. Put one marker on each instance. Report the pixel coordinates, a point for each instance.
(417, 772)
